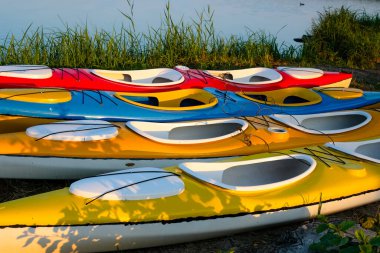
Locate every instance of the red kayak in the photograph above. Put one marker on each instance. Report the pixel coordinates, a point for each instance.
(166, 79)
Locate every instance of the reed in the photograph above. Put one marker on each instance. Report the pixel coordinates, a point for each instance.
(195, 44)
(338, 37)
(345, 38)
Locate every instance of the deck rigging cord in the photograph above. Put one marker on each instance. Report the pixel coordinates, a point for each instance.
(330, 156)
(78, 72)
(73, 131)
(170, 174)
(101, 96)
(51, 90)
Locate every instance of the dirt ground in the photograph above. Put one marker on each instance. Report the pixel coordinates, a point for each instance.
(295, 237)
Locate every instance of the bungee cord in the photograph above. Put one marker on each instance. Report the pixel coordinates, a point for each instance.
(73, 131)
(101, 96)
(169, 174)
(78, 73)
(51, 90)
(330, 156)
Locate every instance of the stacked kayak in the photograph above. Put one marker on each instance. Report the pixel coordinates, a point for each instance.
(166, 156)
(75, 149)
(150, 206)
(165, 79)
(179, 105)
(264, 79)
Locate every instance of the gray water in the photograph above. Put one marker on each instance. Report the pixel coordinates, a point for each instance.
(285, 19)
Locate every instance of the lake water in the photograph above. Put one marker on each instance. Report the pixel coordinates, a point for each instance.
(286, 19)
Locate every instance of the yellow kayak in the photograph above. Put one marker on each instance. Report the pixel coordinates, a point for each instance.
(144, 207)
(75, 149)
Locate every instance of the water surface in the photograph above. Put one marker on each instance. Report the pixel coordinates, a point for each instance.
(285, 19)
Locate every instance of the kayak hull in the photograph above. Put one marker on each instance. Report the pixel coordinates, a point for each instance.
(114, 237)
(62, 220)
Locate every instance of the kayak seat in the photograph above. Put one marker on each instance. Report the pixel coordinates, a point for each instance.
(370, 150)
(268, 172)
(151, 101)
(259, 97)
(226, 76)
(294, 100)
(257, 78)
(190, 102)
(203, 131)
(127, 78)
(144, 100)
(161, 80)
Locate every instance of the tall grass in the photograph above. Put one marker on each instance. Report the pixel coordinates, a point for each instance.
(344, 37)
(195, 44)
(338, 37)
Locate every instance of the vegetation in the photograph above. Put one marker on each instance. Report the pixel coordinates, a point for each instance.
(344, 37)
(345, 237)
(339, 37)
(195, 45)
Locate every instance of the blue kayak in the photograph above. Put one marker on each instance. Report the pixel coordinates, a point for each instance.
(180, 105)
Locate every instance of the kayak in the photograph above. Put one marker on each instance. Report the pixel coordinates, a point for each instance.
(179, 105)
(166, 79)
(149, 206)
(265, 79)
(80, 148)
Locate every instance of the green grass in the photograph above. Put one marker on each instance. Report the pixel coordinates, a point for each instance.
(345, 38)
(195, 44)
(339, 37)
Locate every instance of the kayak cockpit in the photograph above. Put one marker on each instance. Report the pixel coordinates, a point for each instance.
(252, 175)
(191, 132)
(26, 71)
(179, 100)
(145, 77)
(250, 76)
(368, 150)
(325, 123)
(284, 97)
